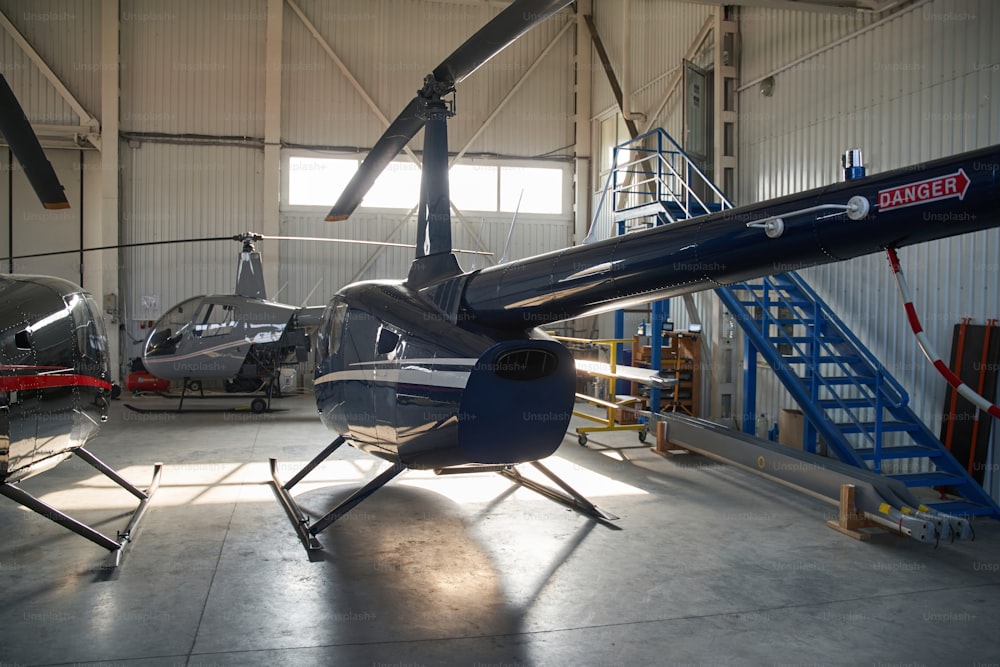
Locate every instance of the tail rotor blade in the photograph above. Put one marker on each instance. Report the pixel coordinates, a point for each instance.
(24, 145)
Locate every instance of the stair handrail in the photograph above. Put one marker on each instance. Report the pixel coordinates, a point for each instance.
(589, 238)
(686, 192)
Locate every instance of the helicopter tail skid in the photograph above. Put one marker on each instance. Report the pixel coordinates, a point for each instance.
(123, 538)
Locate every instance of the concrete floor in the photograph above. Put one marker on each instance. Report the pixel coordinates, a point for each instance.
(707, 566)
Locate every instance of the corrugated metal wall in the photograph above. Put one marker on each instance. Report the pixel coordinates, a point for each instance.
(66, 34)
(389, 45)
(923, 84)
(193, 67)
(184, 192)
(661, 34)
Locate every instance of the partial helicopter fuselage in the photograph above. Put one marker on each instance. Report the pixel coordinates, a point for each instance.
(448, 368)
(223, 336)
(54, 373)
(403, 382)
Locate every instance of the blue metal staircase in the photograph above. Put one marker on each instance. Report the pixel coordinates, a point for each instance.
(849, 399)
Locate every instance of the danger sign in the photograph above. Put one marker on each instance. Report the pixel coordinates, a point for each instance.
(921, 192)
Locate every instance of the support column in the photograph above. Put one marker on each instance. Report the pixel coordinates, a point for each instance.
(271, 190)
(584, 131)
(100, 178)
(725, 159)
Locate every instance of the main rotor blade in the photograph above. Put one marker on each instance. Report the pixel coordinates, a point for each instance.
(488, 41)
(520, 17)
(327, 239)
(239, 237)
(385, 150)
(24, 145)
(116, 247)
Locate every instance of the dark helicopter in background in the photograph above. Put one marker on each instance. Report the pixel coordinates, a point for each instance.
(244, 338)
(448, 370)
(241, 338)
(55, 379)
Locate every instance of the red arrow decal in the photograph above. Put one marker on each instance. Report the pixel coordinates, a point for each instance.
(922, 192)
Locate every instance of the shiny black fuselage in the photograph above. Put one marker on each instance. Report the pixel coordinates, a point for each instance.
(54, 374)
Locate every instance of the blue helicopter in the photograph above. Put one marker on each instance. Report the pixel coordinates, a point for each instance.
(449, 370)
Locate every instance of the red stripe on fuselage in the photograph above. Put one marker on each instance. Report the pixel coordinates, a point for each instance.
(23, 382)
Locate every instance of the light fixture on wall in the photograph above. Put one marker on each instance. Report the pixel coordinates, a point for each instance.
(767, 86)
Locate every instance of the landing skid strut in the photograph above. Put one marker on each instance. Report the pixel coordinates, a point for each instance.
(307, 531)
(571, 497)
(124, 537)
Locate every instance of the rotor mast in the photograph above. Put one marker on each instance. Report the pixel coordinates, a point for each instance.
(434, 210)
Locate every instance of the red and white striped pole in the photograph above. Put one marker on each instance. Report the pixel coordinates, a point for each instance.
(925, 347)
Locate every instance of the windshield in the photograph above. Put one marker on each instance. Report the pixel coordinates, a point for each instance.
(169, 329)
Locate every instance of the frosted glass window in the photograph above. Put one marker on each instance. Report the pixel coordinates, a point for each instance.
(542, 189)
(318, 181)
(473, 187)
(396, 187)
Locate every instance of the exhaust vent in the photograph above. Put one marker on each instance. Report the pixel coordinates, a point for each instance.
(526, 364)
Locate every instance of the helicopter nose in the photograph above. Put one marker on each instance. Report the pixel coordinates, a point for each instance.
(517, 403)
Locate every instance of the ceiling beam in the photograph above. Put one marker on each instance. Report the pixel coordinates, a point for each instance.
(513, 90)
(693, 49)
(609, 70)
(325, 45)
(86, 118)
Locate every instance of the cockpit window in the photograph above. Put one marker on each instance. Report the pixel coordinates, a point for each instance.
(215, 319)
(22, 341)
(88, 332)
(387, 339)
(169, 329)
(336, 331)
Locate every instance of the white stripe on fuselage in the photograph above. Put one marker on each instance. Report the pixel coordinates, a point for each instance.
(405, 371)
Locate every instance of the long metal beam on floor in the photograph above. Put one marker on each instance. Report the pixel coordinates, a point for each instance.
(882, 500)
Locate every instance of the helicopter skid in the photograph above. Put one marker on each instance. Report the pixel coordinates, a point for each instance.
(568, 496)
(307, 530)
(124, 537)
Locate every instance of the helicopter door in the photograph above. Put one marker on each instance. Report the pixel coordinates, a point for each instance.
(360, 333)
(18, 407)
(386, 383)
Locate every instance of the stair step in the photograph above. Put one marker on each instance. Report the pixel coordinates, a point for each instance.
(835, 404)
(960, 508)
(901, 452)
(929, 479)
(809, 339)
(850, 380)
(869, 427)
(825, 359)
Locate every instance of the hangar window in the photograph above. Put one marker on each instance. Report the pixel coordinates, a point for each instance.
(311, 180)
(473, 187)
(315, 181)
(538, 189)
